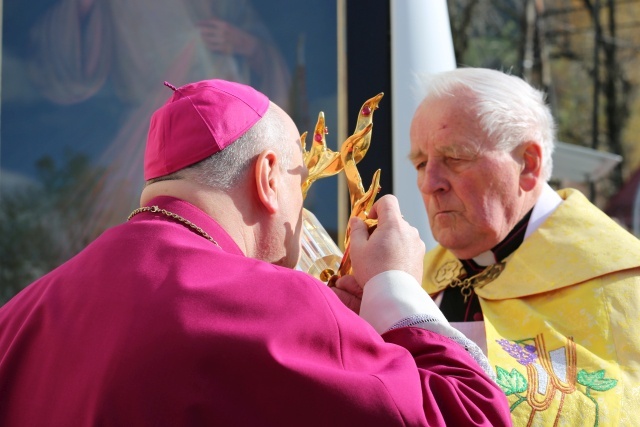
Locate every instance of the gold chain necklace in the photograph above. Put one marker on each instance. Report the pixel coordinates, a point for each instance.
(177, 217)
(487, 275)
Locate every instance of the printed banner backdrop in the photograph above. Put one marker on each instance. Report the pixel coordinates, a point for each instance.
(80, 79)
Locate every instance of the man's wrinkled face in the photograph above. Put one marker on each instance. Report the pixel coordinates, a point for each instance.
(470, 190)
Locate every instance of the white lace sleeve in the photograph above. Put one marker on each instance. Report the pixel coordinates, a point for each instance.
(430, 323)
(394, 299)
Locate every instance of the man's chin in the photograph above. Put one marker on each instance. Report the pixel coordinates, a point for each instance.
(443, 235)
(448, 241)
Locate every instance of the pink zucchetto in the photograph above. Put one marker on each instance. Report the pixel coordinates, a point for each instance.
(199, 120)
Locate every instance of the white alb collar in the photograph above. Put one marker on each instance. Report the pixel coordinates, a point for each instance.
(548, 201)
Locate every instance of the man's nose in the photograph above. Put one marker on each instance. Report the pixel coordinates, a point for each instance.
(433, 178)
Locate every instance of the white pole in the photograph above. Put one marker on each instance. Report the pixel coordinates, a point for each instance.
(420, 43)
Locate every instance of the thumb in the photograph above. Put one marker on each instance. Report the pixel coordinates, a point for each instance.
(359, 231)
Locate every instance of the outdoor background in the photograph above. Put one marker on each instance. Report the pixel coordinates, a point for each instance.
(62, 154)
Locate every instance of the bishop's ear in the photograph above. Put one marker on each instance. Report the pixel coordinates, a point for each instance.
(531, 165)
(267, 178)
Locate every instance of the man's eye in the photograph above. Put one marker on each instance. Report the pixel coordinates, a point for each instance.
(421, 165)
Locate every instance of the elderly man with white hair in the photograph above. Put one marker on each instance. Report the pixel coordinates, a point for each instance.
(544, 281)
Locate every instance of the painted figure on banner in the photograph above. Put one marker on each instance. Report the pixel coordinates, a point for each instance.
(80, 47)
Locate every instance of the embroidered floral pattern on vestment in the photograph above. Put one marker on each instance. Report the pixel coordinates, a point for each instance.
(549, 375)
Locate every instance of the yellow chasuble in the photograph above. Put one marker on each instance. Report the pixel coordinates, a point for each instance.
(562, 320)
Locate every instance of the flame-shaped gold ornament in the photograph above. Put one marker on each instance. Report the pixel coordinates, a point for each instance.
(320, 255)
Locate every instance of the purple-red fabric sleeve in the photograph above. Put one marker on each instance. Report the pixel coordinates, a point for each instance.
(455, 391)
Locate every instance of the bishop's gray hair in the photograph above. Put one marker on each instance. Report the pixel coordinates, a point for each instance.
(510, 111)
